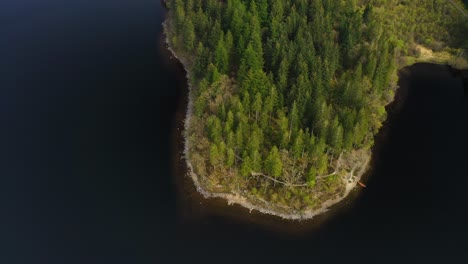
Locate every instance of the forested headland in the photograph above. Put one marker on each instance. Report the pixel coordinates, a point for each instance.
(287, 95)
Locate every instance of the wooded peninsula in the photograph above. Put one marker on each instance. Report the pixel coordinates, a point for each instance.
(287, 95)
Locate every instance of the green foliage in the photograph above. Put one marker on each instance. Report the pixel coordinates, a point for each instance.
(311, 176)
(256, 160)
(213, 73)
(201, 61)
(246, 166)
(273, 164)
(214, 155)
(257, 105)
(222, 57)
(230, 159)
(214, 129)
(298, 146)
(199, 106)
(189, 34)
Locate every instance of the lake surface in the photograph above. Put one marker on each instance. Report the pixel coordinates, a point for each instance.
(91, 105)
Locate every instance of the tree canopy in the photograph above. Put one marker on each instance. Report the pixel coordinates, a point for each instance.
(284, 87)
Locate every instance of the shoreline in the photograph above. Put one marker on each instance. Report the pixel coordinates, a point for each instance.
(235, 197)
(251, 202)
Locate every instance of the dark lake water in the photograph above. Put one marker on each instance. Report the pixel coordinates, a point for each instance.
(90, 169)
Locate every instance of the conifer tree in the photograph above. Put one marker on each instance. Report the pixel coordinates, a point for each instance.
(222, 57)
(214, 155)
(230, 159)
(311, 176)
(273, 164)
(257, 105)
(246, 167)
(189, 34)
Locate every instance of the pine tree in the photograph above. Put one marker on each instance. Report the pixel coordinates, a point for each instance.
(366, 15)
(201, 60)
(263, 10)
(273, 164)
(335, 134)
(179, 15)
(214, 129)
(293, 119)
(222, 112)
(250, 61)
(229, 122)
(255, 81)
(230, 159)
(270, 103)
(254, 140)
(222, 57)
(322, 164)
(246, 167)
(246, 102)
(189, 34)
(282, 75)
(256, 38)
(231, 139)
(298, 146)
(199, 106)
(283, 123)
(229, 44)
(222, 151)
(239, 139)
(214, 155)
(257, 105)
(256, 160)
(213, 73)
(311, 176)
(215, 35)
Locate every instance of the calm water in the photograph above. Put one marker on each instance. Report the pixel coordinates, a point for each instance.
(90, 110)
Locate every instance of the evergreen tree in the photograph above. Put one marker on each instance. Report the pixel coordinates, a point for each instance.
(230, 159)
(222, 57)
(199, 106)
(298, 146)
(222, 151)
(214, 155)
(246, 167)
(239, 139)
(250, 61)
(213, 73)
(311, 176)
(273, 163)
(231, 139)
(293, 119)
(201, 62)
(214, 129)
(256, 160)
(229, 122)
(257, 105)
(189, 34)
(179, 15)
(270, 102)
